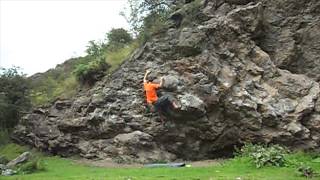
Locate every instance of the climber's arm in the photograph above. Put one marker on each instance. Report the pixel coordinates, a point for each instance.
(161, 82)
(145, 76)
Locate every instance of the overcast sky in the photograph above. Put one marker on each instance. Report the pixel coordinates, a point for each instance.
(37, 35)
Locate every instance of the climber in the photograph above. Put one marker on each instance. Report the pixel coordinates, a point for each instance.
(160, 104)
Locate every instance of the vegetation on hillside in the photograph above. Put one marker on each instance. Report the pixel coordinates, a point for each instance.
(66, 79)
(14, 89)
(14, 99)
(118, 41)
(146, 18)
(142, 14)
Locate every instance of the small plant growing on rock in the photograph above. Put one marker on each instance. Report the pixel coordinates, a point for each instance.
(263, 155)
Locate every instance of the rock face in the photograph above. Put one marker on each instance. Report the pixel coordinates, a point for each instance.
(248, 70)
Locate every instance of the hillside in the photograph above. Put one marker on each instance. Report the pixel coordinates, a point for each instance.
(54, 83)
(62, 82)
(242, 70)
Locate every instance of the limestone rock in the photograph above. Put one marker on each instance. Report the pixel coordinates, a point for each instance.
(20, 159)
(2, 167)
(245, 70)
(8, 172)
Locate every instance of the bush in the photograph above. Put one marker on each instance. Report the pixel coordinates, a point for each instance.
(262, 155)
(4, 137)
(91, 72)
(138, 11)
(34, 165)
(116, 57)
(3, 160)
(14, 90)
(118, 38)
(153, 24)
(11, 151)
(94, 48)
(306, 171)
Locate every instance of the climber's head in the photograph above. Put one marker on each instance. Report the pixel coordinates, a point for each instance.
(151, 77)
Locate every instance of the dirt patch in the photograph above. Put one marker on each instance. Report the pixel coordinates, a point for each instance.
(206, 163)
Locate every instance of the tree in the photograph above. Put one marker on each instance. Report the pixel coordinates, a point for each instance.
(117, 38)
(94, 48)
(14, 96)
(138, 10)
(119, 35)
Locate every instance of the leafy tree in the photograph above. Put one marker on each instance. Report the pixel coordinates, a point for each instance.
(14, 91)
(154, 23)
(138, 10)
(95, 48)
(118, 38)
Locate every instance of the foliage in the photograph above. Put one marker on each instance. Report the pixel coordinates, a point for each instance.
(116, 57)
(140, 9)
(14, 89)
(91, 72)
(306, 171)
(150, 17)
(262, 155)
(66, 79)
(94, 48)
(119, 43)
(56, 83)
(237, 168)
(11, 151)
(3, 160)
(153, 24)
(4, 137)
(34, 165)
(118, 38)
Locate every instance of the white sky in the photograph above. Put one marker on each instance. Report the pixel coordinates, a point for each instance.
(36, 35)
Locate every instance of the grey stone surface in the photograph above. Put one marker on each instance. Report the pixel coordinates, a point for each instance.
(8, 172)
(20, 159)
(248, 72)
(2, 167)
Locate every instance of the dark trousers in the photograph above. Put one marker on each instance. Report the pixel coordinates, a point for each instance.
(162, 104)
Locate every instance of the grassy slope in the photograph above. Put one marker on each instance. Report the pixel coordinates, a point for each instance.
(59, 168)
(61, 82)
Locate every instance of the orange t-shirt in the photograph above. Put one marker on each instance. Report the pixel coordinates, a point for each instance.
(151, 92)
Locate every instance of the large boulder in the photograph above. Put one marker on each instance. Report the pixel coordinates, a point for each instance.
(246, 71)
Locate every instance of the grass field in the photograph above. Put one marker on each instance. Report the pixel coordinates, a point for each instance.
(233, 169)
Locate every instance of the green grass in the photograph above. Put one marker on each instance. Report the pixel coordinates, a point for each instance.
(58, 168)
(115, 58)
(11, 151)
(4, 137)
(62, 83)
(65, 169)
